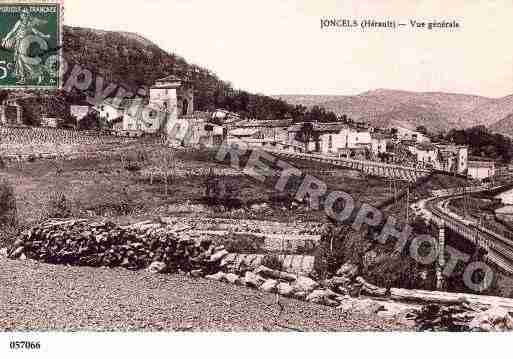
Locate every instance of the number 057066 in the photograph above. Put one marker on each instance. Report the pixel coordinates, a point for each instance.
(15, 345)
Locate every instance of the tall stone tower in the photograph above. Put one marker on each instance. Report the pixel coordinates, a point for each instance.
(175, 97)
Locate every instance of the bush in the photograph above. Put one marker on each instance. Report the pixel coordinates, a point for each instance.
(339, 244)
(222, 190)
(8, 234)
(272, 261)
(58, 206)
(8, 212)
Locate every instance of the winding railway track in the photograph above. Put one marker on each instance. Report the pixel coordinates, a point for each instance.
(499, 248)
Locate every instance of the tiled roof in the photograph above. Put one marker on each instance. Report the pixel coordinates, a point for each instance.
(329, 127)
(379, 136)
(481, 164)
(124, 103)
(426, 146)
(265, 123)
(243, 132)
(170, 78)
(319, 127)
(198, 115)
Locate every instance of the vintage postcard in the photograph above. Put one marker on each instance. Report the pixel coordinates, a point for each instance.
(254, 166)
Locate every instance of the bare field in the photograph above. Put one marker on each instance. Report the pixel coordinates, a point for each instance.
(100, 299)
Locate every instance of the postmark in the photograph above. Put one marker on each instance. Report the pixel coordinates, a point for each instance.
(30, 44)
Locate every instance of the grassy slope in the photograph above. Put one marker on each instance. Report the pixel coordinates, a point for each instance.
(100, 184)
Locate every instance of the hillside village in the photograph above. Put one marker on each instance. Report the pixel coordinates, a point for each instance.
(171, 100)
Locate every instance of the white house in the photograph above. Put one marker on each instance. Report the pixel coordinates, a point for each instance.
(79, 112)
(346, 138)
(481, 169)
(378, 143)
(452, 157)
(110, 109)
(405, 134)
(427, 154)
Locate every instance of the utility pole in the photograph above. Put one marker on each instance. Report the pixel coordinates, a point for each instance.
(407, 201)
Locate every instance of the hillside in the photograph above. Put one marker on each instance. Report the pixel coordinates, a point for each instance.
(497, 113)
(383, 107)
(504, 126)
(133, 62)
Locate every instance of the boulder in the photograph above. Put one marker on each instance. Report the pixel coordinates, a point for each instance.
(217, 276)
(368, 306)
(196, 273)
(253, 280)
(342, 290)
(492, 319)
(284, 289)
(269, 285)
(273, 273)
(219, 255)
(348, 270)
(323, 296)
(17, 252)
(371, 289)
(305, 284)
(232, 278)
(157, 267)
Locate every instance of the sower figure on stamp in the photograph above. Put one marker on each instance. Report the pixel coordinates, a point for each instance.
(26, 67)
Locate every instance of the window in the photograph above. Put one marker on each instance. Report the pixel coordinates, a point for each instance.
(330, 142)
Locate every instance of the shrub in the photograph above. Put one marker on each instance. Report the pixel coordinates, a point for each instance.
(8, 234)
(8, 212)
(272, 261)
(58, 206)
(222, 190)
(339, 244)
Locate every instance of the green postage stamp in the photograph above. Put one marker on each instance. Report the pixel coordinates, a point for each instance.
(31, 39)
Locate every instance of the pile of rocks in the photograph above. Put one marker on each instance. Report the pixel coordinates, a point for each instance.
(143, 245)
(333, 292)
(283, 283)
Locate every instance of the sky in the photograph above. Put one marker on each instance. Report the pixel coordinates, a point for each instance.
(278, 46)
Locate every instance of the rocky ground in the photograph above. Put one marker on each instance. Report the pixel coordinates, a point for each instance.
(37, 296)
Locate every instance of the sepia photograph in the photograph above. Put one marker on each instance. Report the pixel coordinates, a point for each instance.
(231, 167)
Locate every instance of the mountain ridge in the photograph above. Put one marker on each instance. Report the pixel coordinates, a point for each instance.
(436, 110)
